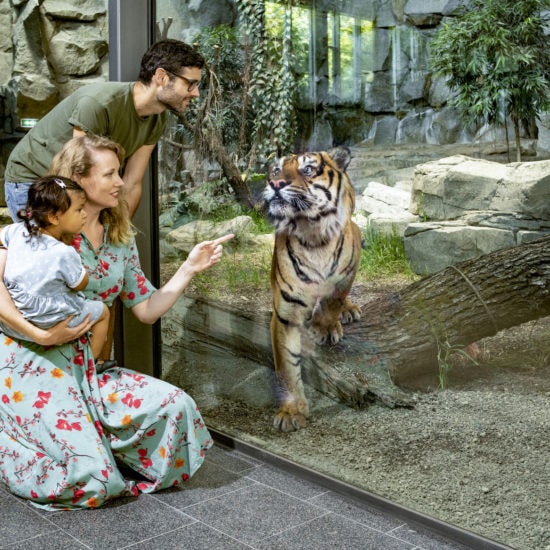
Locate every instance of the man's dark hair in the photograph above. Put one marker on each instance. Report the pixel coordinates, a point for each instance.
(172, 55)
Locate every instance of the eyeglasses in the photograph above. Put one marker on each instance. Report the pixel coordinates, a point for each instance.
(191, 84)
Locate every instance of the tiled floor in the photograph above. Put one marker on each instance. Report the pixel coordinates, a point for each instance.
(233, 502)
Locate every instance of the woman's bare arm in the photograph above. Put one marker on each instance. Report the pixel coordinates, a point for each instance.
(203, 256)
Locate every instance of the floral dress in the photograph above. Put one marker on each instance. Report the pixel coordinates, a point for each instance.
(65, 430)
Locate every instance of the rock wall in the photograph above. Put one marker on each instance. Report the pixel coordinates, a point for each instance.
(54, 47)
(470, 207)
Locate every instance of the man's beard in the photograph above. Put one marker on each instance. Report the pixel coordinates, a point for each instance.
(177, 110)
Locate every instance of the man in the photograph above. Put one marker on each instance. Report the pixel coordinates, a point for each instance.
(130, 113)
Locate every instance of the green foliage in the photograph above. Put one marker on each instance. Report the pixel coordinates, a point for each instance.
(445, 353)
(383, 255)
(238, 274)
(495, 55)
(219, 108)
(271, 85)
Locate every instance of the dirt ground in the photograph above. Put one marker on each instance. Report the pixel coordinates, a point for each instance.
(474, 455)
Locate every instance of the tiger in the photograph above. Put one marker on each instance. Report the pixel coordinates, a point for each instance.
(309, 200)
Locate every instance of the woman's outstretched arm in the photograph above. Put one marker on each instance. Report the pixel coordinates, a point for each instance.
(203, 256)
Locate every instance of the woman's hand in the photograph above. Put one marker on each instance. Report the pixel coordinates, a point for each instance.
(203, 256)
(206, 254)
(62, 332)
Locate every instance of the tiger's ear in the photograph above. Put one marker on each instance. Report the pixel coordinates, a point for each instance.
(341, 156)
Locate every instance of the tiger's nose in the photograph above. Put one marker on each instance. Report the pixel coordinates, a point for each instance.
(278, 184)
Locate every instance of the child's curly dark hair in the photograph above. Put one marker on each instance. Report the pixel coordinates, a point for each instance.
(47, 196)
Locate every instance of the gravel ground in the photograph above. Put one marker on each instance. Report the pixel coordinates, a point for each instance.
(474, 455)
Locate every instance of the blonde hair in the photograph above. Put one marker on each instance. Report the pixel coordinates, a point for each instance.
(76, 159)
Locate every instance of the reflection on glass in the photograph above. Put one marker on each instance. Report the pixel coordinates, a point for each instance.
(464, 440)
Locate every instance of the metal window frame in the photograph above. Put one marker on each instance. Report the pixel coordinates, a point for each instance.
(131, 32)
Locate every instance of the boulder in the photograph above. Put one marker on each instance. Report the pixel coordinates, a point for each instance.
(430, 247)
(185, 237)
(385, 208)
(448, 188)
(77, 58)
(543, 141)
(79, 10)
(472, 207)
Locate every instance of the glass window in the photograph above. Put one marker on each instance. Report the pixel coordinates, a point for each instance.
(451, 442)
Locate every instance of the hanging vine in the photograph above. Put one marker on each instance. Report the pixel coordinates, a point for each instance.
(271, 87)
(246, 112)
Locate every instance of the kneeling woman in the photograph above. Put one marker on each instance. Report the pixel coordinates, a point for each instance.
(64, 428)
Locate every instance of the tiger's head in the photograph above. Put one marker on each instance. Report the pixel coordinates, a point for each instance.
(310, 194)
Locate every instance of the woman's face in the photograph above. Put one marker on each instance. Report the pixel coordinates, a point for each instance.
(103, 184)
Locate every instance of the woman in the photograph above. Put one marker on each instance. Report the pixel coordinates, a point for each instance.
(64, 429)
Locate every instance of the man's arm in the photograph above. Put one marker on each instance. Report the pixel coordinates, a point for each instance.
(133, 176)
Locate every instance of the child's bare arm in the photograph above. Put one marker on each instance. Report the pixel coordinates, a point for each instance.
(83, 284)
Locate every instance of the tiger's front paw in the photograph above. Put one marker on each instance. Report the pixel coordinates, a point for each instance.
(289, 418)
(328, 335)
(350, 313)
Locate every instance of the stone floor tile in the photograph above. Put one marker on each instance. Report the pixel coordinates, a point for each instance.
(197, 536)
(286, 482)
(232, 460)
(121, 523)
(369, 516)
(330, 532)
(254, 513)
(19, 522)
(209, 482)
(426, 539)
(58, 540)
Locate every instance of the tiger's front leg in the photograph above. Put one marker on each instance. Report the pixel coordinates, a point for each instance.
(329, 315)
(288, 352)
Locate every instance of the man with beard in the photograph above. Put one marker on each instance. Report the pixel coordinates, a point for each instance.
(130, 113)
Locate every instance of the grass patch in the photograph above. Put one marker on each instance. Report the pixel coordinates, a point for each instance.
(245, 268)
(383, 256)
(239, 273)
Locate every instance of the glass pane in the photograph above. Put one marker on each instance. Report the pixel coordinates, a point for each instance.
(465, 440)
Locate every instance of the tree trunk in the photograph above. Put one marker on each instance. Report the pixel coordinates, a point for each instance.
(518, 138)
(399, 335)
(219, 153)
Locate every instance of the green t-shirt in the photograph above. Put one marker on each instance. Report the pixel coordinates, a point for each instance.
(105, 109)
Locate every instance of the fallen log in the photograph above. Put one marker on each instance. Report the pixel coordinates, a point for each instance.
(401, 335)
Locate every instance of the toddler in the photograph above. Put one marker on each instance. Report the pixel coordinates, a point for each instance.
(43, 275)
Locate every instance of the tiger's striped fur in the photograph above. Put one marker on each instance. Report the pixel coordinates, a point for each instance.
(310, 201)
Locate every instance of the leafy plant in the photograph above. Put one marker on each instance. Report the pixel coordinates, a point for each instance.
(271, 82)
(445, 351)
(495, 55)
(245, 113)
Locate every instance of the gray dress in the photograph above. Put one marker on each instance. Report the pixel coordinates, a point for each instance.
(40, 274)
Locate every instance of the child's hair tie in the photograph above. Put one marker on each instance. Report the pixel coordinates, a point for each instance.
(60, 183)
